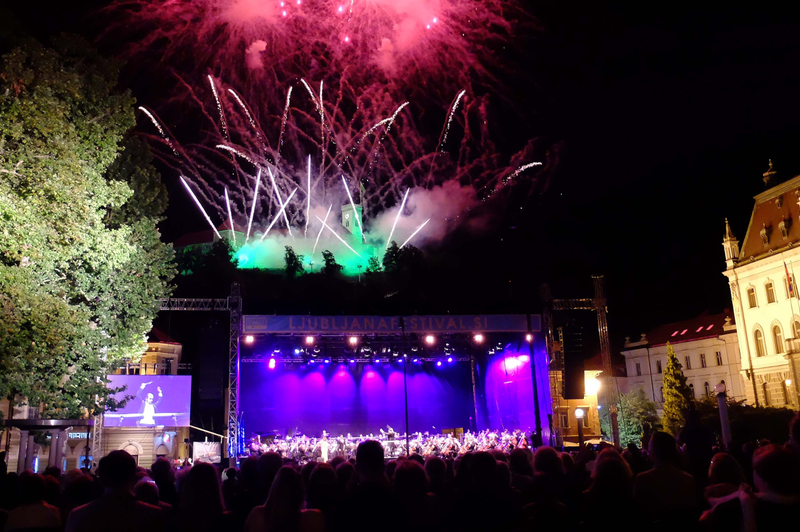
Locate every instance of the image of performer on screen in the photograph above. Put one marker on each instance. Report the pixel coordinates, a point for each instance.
(148, 407)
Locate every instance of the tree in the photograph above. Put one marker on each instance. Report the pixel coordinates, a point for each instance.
(748, 423)
(637, 414)
(134, 167)
(331, 267)
(390, 262)
(81, 261)
(294, 262)
(373, 265)
(676, 394)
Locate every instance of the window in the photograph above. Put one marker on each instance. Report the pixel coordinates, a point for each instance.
(662, 394)
(688, 362)
(691, 390)
(658, 366)
(759, 343)
(796, 328)
(751, 297)
(719, 358)
(638, 369)
(777, 338)
(703, 360)
(707, 389)
(765, 389)
(785, 390)
(585, 420)
(770, 289)
(564, 421)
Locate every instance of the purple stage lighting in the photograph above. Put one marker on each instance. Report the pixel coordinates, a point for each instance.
(271, 363)
(439, 363)
(352, 361)
(416, 360)
(327, 361)
(449, 359)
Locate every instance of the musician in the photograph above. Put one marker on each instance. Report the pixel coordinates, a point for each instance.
(148, 406)
(324, 446)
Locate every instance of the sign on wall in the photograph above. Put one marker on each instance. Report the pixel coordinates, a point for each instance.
(391, 324)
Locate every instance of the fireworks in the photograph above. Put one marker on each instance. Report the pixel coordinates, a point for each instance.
(390, 64)
(199, 206)
(230, 218)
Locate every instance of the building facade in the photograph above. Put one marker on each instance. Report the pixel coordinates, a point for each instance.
(707, 347)
(764, 293)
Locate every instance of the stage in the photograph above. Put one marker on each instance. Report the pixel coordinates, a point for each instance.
(358, 375)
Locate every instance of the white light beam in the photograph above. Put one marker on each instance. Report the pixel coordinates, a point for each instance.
(253, 208)
(189, 190)
(337, 236)
(308, 197)
(280, 202)
(230, 216)
(414, 233)
(353, 205)
(283, 206)
(320, 230)
(402, 205)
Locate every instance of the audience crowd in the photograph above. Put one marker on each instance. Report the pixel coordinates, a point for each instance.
(677, 485)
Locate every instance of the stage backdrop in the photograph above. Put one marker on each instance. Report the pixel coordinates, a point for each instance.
(363, 398)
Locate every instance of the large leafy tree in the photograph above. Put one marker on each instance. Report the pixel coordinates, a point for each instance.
(676, 394)
(637, 415)
(81, 260)
(294, 262)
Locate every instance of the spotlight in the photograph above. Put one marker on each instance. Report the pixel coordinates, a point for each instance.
(309, 340)
(529, 337)
(249, 339)
(416, 360)
(353, 340)
(478, 338)
(327, 360)
(591, 386)
(352, 361)
(430, 339)
(311, 361)
(449, 359)
(271, 363)
(296, 351)
(438, 363)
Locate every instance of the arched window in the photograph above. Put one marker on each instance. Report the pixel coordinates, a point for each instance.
(751, 297)
(796, 328)
(770, 289)
(777, 338)
(765, 389)
(707, 389)
(759, 343)
(691, 390)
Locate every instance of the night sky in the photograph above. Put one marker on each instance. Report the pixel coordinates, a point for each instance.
(668, 115)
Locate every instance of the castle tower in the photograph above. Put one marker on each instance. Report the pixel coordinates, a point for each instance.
(351, 220)
(730, 245)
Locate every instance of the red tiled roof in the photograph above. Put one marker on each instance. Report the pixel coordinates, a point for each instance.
(780, 203)
(703, 326)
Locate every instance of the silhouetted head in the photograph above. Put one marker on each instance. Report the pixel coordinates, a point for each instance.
(369, 459)
(268, 466)
(483, 467)
(548, 461)
(161, 470)
(31, 488)
(518, 461)
(146, 491)
(117, 470)
(777, 470)
(410, 480)
(724, 469)
(663, 449)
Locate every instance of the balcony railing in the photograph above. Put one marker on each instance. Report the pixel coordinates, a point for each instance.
(161, 368)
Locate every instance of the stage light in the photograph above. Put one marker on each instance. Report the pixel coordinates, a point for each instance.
(327, 360)
(353, 340)
(309, 340)
(478, 338)
(352, 361)
(449, 359)
(430, 339)
(529, 337)
(591, 386)
(416, 360)
(438, 363)
(311, 361)
(296, 351)
(249, 339)
(271, 363)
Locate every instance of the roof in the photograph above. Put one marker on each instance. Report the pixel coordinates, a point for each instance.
(773, 207)
(703, 326)
(157, 335)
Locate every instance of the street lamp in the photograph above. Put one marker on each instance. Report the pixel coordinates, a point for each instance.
(579, 413)
(725, 423)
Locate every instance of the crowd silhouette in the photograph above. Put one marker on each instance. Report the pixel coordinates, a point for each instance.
(681, 484)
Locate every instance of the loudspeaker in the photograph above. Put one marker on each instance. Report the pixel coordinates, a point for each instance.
(573, 362)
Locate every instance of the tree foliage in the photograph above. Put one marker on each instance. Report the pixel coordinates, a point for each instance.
(294, 262)
(330, 267)
(748, 423)
(81, 261)
(636, 416)
(390, 258)
(374, 265)
(676, 394)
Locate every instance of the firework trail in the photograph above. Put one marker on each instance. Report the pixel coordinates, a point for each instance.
(159, 128)
(353, 205)
(325, 225)
(314, 250)
(230, 217)
(283, 122)
(281, 211)
(308, 197)
(280, 201)
(222, 122)
(399, 212)
(253, 208)
(450, 120)
(414, 233)
(199, 206)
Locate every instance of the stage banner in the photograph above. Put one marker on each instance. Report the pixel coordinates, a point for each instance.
(391, 324)
(207, 451)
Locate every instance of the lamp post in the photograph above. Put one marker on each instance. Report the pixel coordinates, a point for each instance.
(725, 423)
(579, 413)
